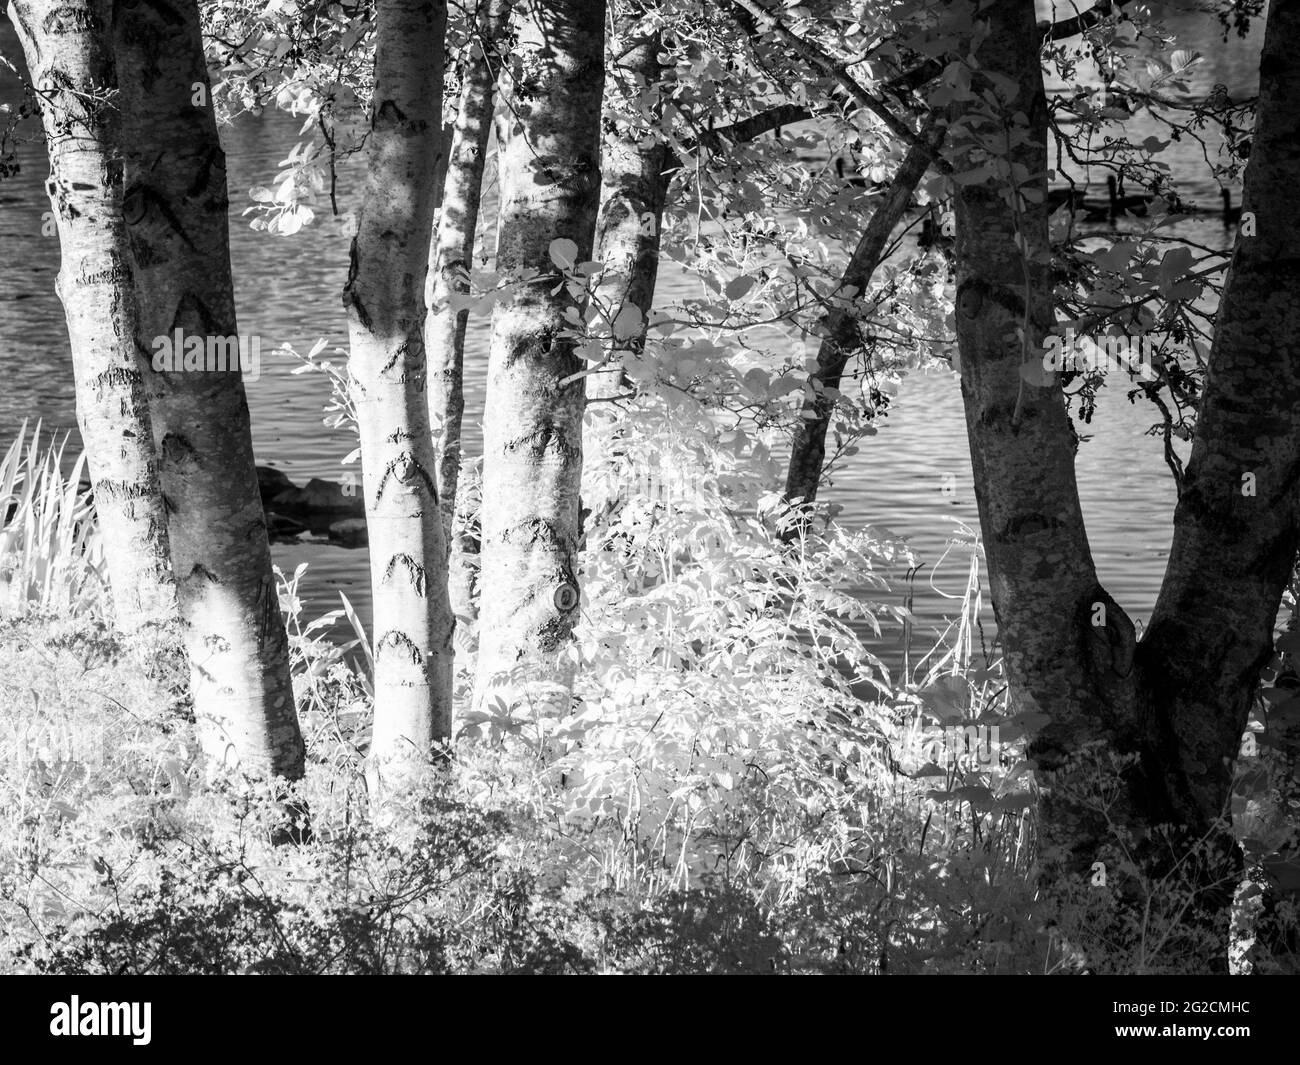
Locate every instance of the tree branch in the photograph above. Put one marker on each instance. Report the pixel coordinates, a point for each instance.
(922, 74)
(755, 126)
(1081, 23)
(745, 129)
(838, 71)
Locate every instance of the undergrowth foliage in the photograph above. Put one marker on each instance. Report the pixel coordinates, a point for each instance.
(741, 785)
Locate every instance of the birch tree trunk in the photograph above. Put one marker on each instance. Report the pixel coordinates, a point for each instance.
(550, 187)
(176, 212)
(452, 253)
(385, 304)
(451, 258)
(69, 52)
(840, 328)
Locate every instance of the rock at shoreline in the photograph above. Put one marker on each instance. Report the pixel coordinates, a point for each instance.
(280, 528)
(284, 497)
(271, 481)
(317, 506)
(350, 532)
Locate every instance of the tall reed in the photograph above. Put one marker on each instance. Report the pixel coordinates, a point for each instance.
(51, 556)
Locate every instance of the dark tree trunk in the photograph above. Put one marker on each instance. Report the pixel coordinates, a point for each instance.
(452, 253)
(634, 186)
(1022, 446)
(1235, 528)
(840, 328)
(1173, 708)
(1069, 648)
(1237, 523)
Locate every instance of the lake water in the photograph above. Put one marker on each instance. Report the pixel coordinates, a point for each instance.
(288, 292)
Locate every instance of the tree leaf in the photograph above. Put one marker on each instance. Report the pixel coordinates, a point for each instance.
(627, 323)
(563, 253)
(739, 286)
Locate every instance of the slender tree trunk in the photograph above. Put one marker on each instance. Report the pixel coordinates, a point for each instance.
(69, 52)
(176, 211)
(635, 183)
(840, 328)
(452, 253)
(463, 561)
(385, 304)
(550, 187)
(451, 258)
(634, 187)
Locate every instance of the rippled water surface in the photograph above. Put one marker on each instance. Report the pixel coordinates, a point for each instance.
(288, 292)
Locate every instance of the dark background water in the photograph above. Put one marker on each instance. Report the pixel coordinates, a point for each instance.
(288, 291)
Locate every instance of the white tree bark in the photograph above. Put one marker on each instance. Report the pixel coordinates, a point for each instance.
(550, 189)
(70, 56)
(176, 212)
(385, 304)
